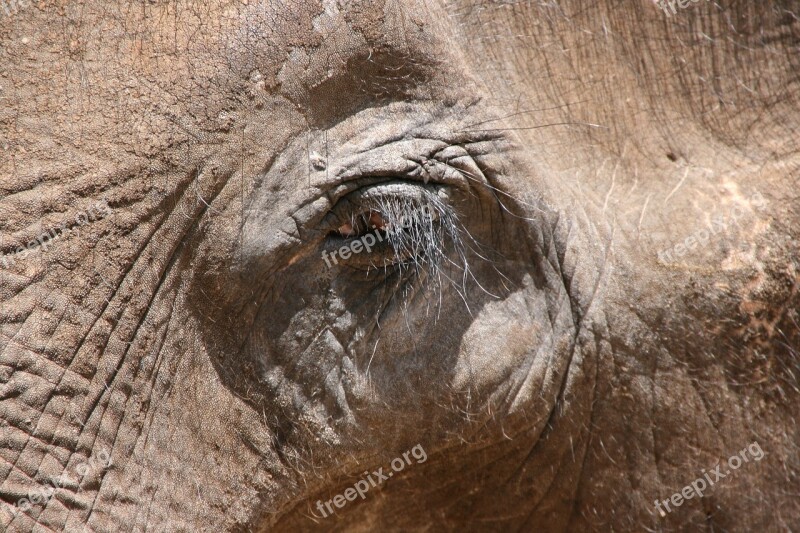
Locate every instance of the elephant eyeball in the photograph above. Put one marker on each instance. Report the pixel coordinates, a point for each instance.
(362, 224)
(346, 230)
(376, 220)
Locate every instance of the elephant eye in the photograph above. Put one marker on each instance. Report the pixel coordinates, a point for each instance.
(399, 224)
(362, 224)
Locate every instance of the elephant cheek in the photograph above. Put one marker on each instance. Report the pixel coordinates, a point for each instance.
(513, 351)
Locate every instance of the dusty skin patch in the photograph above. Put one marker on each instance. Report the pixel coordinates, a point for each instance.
(229, 382)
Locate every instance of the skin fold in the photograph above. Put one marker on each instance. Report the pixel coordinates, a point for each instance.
(602, 308)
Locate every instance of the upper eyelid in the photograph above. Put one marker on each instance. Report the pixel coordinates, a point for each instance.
(406, 157)
(389, 160)
(423, 169)
(400, 159)
(368, 169)
(320, 190)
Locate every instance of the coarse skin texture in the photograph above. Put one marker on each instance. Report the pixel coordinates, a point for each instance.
(559, 370)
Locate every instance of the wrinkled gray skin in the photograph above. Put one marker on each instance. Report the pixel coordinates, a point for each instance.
(568, 380)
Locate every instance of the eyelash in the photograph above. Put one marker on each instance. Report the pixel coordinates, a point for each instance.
(361, 223)
(415, 231)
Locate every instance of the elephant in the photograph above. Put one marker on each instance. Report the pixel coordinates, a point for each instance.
(401, 265)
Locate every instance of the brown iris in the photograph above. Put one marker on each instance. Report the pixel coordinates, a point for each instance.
(362, 224)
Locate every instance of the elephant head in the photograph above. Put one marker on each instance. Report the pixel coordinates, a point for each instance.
(405, 265)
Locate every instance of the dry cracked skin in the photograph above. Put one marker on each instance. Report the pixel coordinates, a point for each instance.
(599, 307)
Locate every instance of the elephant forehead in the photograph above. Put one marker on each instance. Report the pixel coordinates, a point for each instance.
(328, 57)
(294, 47)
